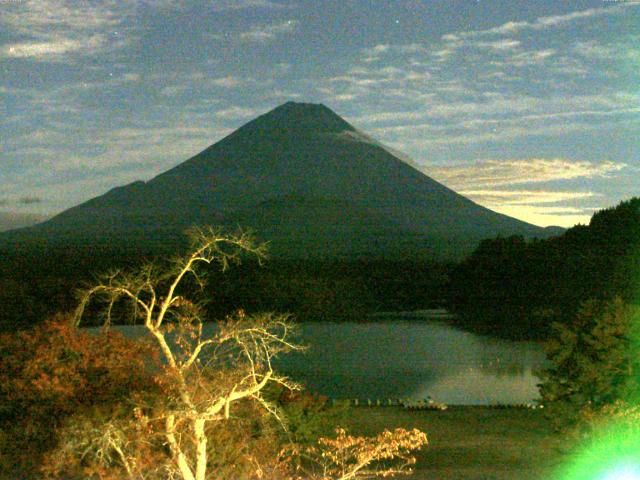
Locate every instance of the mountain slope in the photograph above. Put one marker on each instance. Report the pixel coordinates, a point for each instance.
(303, 178)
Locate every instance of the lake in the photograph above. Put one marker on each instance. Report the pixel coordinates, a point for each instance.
(416, 355)
(419, 357)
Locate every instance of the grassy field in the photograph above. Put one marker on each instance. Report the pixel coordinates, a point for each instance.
(473, 443)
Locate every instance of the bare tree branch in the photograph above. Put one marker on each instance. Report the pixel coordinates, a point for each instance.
(244, 344)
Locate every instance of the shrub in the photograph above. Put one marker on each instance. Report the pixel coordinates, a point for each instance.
(52, 372)
(308, 417)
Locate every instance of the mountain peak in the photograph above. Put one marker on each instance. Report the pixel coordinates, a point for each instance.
(304, 179)
(302, 117)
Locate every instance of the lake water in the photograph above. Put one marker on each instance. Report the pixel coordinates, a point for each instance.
(396, 357)
(414, 356)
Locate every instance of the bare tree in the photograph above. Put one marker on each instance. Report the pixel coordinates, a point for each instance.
(205, 375)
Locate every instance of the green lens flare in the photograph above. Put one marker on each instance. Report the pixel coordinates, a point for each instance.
(623, 472)
(612, 454)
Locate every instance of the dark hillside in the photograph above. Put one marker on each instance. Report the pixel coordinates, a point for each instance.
(520, 286)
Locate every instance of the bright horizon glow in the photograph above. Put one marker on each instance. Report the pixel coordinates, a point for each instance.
(536, 216)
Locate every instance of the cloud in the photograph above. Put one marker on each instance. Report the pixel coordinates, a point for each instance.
(173, 90)
(494, 184)
(55, 30)
(55, 49)
(501, 198)
(59, 172)
(545, 216)
(389, 82)
(556, 20)
(39, 49)
(229, 81)
(18, 201)
(42, 18)
(533, 206)
(27, 200)
(454, 41)
(443, 54)
(198, 81)
(389, 116)
(525, 59)
(265, 33)
(451, 43)
(372, 54)
(505, 28)
(235, 113)
(490, 173)
(541, 23)
(495, 117)
(376, 50)
(224, 5)
(615, 51)
(131, 77)
(500, 45)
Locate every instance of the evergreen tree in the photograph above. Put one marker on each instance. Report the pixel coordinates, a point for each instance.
(592, 360)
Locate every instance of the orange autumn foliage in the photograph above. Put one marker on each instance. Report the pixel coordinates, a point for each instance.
(348, 457)
(55, 370)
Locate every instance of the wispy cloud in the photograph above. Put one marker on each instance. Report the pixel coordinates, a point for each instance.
(541, 23)
(512, 172)
(539, 207)
(51, 49)
(29, 200)
(54, 30)
(544, 215)
(500, 45)
(426, 136)
(23, 200)
(173, 90)
(177, 85)
(228, 82)
(451, 43)
(525, 59)
(495, 184)
(627, 50)
(121, 155)
(499, 117)
(223, 5)
(372, 54)
(265, 33)
(502, 198)
(235, 113)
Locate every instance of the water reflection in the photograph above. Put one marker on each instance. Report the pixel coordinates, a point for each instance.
(399, 358)
(403, 358)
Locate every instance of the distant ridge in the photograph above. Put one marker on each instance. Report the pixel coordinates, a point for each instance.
(304, 179)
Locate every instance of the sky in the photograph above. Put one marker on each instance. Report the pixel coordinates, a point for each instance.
(531, 108)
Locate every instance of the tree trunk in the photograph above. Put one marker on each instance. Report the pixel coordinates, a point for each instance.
(201, 448)
(183, 465)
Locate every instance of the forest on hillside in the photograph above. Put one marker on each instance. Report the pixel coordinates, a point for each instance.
(508, 286)
(513, 287)
(35, 285)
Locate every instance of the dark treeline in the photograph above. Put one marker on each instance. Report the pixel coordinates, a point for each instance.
(331, 290)
(516, 288)
(508, 286)
(36, 283)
